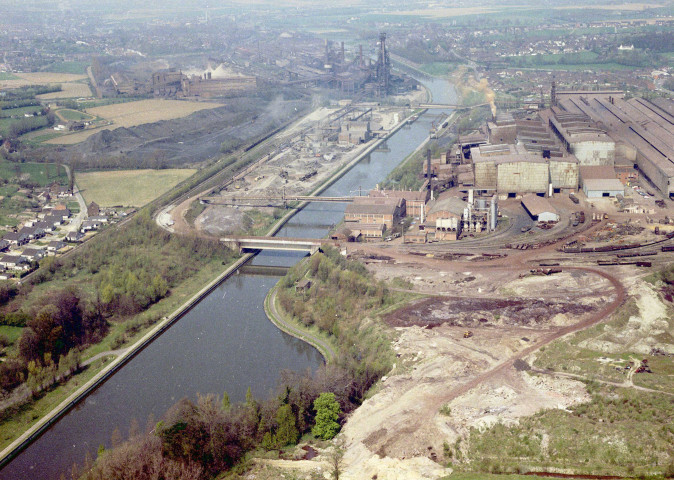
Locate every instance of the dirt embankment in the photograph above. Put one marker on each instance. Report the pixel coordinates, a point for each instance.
(179, 142)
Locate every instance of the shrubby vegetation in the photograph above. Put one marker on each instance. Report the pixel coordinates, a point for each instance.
(620, 432)
(28, 124)
(27, 93)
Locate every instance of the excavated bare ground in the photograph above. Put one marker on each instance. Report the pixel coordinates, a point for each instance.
(471, 312)
(398, 433)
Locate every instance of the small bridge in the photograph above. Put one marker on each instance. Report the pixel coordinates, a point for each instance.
(309, 245)
(449, 106)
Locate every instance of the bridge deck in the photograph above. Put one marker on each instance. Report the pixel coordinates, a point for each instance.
(310, 245)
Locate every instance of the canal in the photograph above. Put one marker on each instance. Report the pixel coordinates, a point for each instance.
(224, 343)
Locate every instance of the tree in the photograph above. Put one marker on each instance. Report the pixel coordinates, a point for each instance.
(327, 413)
(336, 459)
(287, 432)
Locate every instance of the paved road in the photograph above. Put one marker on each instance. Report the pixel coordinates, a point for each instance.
(277, 319)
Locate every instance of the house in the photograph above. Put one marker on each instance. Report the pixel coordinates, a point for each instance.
(55, 246)
(54, 220)
(33, 254)
(16, 238)
(46, 226)
(93, 209)
(14, 262)
(90, 225)
(4, 245)
(74, 237)
(99, 218)
(60, 191)
(62, 211)
(32, 232)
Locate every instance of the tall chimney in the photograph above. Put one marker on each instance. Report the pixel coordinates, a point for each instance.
(327, 57)
(342, 52)
(360, 48)
(428, 170)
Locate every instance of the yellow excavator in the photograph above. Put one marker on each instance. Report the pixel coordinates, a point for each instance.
(467, 334)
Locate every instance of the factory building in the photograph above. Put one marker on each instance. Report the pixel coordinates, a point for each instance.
(166, 83)
(502, 129)
(539, 208)
(380, 211)
(445, 218)
(582, 137)
(509, 169)
(564, 174)
(600, 181)
(355, 132)
(209, 87)
(643, 130)
(415, 201)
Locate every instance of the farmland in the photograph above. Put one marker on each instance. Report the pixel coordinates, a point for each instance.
(130, 188)
(73, 115)
(68, 90)
(15, 80)
(131, 114)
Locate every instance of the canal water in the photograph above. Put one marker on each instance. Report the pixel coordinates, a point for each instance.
(224, 343)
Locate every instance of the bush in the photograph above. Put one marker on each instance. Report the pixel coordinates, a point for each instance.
(327, 413)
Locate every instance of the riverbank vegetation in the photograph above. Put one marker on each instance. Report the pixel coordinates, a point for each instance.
(199, 440)
(113, 284)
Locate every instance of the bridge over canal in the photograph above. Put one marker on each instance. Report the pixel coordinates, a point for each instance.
(242, 243)
(446, 106)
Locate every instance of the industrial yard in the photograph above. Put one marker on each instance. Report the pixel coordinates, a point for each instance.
(512, 274)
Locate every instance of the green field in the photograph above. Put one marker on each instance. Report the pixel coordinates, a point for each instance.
(10, 333)
(129, 188)
(8, 76)
(68, 67)
(74, 115)
(42, 174)
(6, 114)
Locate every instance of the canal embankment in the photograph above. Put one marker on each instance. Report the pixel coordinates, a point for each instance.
(45, 422)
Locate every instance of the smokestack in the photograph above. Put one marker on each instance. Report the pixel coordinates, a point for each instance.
(327, 46)
(428, 167)
(342, 52)
(360, 55)
(553, 93)
(494, 214)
